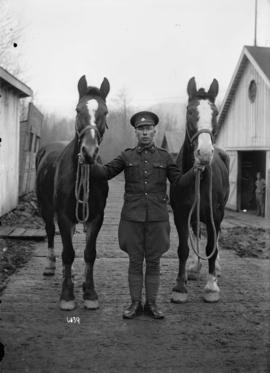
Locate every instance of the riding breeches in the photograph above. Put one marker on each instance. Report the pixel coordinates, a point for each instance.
(144, 241)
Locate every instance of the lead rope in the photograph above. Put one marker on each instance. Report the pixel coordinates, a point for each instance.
(197, 201)
(82, 192)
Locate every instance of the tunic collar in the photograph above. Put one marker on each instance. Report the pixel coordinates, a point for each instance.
(150, 148)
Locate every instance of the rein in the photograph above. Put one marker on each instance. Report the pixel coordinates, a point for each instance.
(197, 201)
(82, 191)
(82, 185)
(82, 181)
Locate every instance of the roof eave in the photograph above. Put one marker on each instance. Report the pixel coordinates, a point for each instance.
(257, 66)
(22, 89)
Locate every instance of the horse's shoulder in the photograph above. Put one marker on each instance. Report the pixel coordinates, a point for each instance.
(179, 159)
(223, 156)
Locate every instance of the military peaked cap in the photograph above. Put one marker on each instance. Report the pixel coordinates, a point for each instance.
(144, 118)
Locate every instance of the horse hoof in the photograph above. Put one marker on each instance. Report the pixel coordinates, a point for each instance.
(67, 305)
(211, 297)
(49, 271)
(211, 290)
(91, 304)
(179, 297)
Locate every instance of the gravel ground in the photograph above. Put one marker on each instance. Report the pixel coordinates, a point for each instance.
(230, 336)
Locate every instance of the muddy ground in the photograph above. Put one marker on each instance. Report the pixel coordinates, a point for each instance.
(230, 336)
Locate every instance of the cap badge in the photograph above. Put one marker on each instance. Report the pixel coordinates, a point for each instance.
(143, 119)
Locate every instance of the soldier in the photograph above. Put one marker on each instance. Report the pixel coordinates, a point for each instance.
(260, 194)
(144, 225)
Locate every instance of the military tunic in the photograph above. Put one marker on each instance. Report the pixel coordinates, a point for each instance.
(146, 172)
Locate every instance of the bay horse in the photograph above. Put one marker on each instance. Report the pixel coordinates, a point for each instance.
(66, 191)
(212, 180)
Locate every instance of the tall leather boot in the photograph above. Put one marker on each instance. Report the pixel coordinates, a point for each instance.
(151, 289)
(135, 282)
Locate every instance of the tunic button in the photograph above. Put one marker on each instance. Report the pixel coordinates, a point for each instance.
(146, 194)
(145, 182)
(145, 161)
(145, 172)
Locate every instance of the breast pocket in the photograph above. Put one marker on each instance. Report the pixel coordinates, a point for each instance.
(132, 171)
(160, 170)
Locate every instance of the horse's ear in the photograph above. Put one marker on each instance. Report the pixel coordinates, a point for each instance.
(213, 90)
(82, 86)
(104, 88)
(191, 88)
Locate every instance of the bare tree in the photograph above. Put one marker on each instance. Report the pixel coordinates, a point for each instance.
(10, 33)
(122, 102)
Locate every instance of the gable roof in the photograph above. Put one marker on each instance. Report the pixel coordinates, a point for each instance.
(259, 57)
(22, 89)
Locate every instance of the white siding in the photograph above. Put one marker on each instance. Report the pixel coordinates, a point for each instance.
(247, 124)
(9, 150)
(232, 200)
(267, 181)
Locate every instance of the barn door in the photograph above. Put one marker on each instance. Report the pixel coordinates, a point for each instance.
(232, 201)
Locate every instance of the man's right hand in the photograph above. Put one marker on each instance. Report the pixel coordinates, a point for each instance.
(198, 167)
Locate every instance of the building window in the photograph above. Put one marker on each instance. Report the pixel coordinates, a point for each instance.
(252, 90)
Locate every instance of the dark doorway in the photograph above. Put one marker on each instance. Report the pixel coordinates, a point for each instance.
(250, 162)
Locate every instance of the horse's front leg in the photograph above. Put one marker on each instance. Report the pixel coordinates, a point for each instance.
(66, 227)
(180, 293)
(89, 294)
(211, 290)
(195, 265)
(48, 216)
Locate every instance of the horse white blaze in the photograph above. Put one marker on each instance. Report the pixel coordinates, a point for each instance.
(90, 143)
(204, 151)
(92, 108)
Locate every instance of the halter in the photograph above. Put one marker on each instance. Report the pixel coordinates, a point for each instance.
(194, 137)
(82, 185)
(87, 128)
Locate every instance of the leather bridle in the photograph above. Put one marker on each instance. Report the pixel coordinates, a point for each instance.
(194, 137)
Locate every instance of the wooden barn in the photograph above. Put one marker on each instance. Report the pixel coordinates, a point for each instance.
(11, 91)
(244, 128)
(30, 129)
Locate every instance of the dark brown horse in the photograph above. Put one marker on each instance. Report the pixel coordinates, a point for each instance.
(65, 189)
(212, 187)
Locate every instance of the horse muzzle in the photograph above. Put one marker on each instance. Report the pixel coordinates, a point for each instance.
(88, 155)
(204, 158)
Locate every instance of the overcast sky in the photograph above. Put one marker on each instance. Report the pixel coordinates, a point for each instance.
(150, 48)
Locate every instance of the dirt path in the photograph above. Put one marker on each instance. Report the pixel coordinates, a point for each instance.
(231, 336)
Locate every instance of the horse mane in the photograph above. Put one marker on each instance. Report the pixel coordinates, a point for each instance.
(202, 95)
(93, 91)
